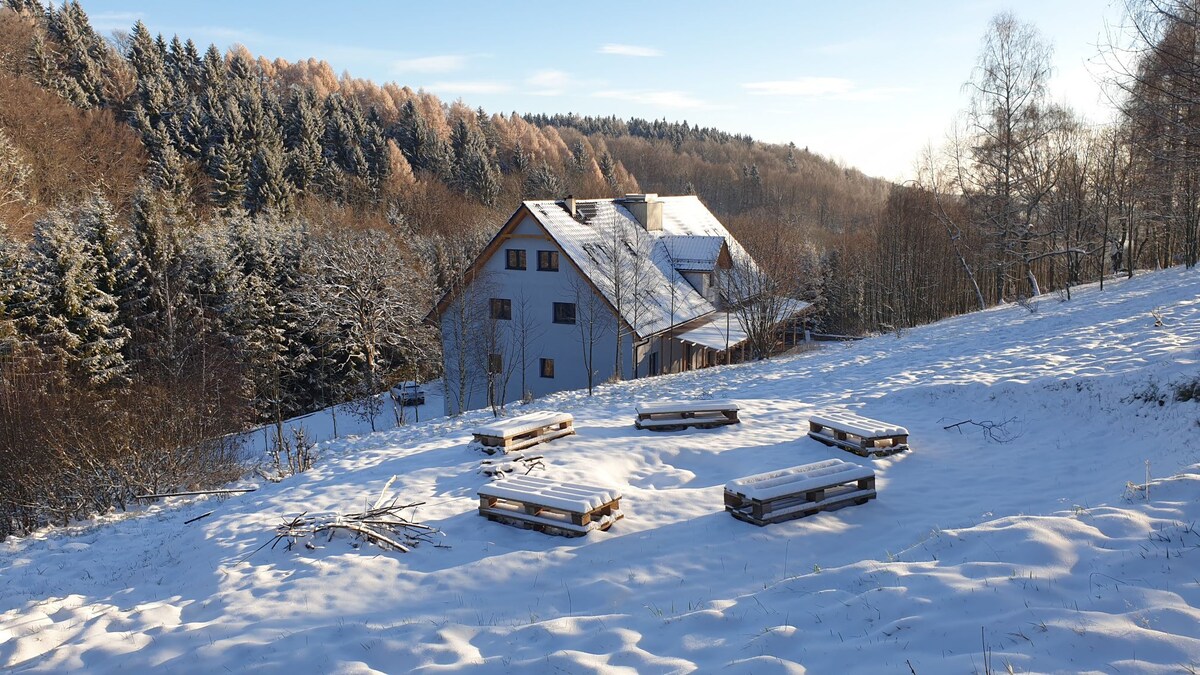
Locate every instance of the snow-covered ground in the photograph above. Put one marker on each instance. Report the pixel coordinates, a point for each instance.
(1038, 554)
(349, 419)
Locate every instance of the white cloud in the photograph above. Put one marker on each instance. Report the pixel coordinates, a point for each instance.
(659, 99)
(801, 86)
(831, 88)
(110, 21)
(470, 87)
(855, 46)
(224, 34)
(629, 50)
(549, 82)
(444, 63)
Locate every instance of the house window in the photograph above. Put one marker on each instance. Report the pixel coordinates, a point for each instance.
(495, 364)
(514, 259)
(548, 368)
(501, 308)
(547, 261)
(564, 312)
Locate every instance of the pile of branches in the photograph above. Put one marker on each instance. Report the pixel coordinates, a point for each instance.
(499, 468)
(382, 525)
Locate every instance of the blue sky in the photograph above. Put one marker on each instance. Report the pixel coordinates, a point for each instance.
(867, 83)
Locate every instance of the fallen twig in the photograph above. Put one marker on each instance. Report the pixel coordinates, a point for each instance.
(192, 520)
(993, 431)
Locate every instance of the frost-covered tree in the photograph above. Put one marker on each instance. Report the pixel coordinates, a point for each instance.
(303, 130)
(420, 143)
(368, 295)
(475, 173)
(543, 183)
(268, 190)
(14, 173)
(77, 321)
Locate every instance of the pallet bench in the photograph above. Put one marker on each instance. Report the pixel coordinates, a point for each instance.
(861, 435)
(552, 507)
(800, 491)
(518, 433)
(676, 415)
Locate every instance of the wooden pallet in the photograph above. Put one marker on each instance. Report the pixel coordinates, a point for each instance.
(523, 432)
(800, 491)
(674, 416)
(861, 435)
(547, 506)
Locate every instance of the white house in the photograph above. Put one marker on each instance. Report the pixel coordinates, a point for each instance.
(569, 288)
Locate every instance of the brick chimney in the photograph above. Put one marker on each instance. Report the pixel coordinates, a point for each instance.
(569, 205)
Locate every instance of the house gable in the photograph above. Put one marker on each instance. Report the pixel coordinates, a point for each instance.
(509, 233)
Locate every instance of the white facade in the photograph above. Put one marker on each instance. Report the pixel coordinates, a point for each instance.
(504, 339)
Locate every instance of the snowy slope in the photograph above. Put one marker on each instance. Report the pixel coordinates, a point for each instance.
(1033, 554)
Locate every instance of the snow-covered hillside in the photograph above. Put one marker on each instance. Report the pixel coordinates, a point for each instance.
(1041, 554)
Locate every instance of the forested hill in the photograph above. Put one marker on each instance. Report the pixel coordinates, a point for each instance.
(232, 133)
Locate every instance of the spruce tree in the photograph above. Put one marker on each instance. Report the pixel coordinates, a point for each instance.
(475, 175)
(16, 303)
(268, 190)
(543, 183)
(608, 169)
(303, 131)
(229, 176)
(167, 325)
(76, 320)
(422, 147)
(83, 52)
(520, 158)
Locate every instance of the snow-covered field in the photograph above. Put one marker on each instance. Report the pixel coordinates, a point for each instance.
(1038, 554)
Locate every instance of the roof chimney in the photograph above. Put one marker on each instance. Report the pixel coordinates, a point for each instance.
(647, 209)
(569, 205)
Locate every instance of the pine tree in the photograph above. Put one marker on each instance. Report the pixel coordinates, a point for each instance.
(84, 53)
(228, 160)
(343, 131)
(112, 262)
(41, 64)
(267, 318)
(475, 175)
(520, 158)
(581, 159)
(303, 132)
(268, 191)
(422, 147)
(608, 169)
(228, 175)
(167, 325)
(212, 76)
(375, 151)
(76, 320)
(15, 301)
(543, 183)
(193, 133)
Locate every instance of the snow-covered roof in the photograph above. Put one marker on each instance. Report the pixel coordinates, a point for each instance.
(693, 253)
(724, 329)
(602, 226)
